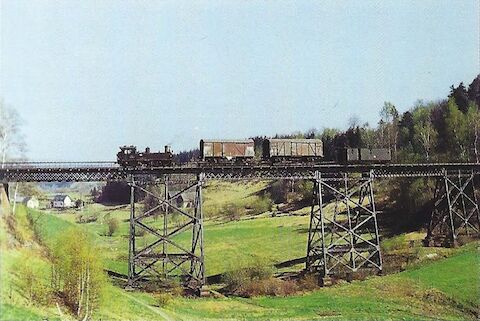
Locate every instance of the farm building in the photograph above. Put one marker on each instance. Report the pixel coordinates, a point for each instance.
(184, 200)
(30, 202)
(62, 201)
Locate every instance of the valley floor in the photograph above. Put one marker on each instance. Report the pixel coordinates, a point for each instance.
(443, 284)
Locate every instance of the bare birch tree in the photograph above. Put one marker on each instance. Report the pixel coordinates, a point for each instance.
(425, 133)
(473, 119)
(11, 141)
(388, 126)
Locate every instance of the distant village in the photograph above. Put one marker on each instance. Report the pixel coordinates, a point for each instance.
(59, 201)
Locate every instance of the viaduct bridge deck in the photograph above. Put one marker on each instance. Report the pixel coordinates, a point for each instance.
(104, 171)
(345, 241)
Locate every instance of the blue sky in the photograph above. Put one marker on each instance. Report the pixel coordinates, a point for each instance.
(88, 76)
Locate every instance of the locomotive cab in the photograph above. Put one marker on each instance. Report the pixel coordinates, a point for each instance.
(128, 150)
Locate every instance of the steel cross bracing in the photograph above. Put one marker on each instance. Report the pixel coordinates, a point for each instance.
(343, 238)
(53, 172)
(456, 210)
(162, 255)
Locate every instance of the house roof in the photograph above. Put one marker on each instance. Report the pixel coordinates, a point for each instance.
(60, 198)
(24, 199)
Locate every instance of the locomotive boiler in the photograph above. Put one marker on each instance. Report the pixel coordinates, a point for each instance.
(128, 156)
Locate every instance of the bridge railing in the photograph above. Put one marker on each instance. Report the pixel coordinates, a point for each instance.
(46, 165)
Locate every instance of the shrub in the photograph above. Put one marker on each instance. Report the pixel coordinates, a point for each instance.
(12, 228)
(261, 205)
(238, 280)
(398, 242)
(257, 278)
(271, 286)
(31, 282)
(163, 299)
(112, 224)
(309, 282)
(80, 219)
(233, 212)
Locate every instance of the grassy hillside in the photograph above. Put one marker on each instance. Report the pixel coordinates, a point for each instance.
(18, 252)
(434, 289)
(116, 303)
(272, 239)
(447, 289)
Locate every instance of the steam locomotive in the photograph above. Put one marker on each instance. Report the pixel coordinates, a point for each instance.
(243, 151)
(129, 157)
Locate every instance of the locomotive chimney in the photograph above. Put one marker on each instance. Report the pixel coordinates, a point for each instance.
(167, 149)
(147, 150)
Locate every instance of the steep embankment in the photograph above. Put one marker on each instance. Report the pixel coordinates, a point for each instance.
(25, 270)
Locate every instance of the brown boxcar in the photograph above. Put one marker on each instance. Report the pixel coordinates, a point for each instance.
(292, 148)
(226, 149)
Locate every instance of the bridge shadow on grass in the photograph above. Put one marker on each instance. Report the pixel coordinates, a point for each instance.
(217, 278)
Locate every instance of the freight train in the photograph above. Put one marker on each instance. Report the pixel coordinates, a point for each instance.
(274, 151)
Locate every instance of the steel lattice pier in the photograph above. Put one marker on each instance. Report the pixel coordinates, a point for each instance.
(163, 256)
(344, 238)
(456, 210)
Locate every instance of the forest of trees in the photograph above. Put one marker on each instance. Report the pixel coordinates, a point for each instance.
(443, 130)
(446, 130)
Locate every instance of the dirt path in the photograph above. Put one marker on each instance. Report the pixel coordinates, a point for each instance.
(157, 311)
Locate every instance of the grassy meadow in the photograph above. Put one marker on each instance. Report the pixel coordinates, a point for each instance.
(442, 284)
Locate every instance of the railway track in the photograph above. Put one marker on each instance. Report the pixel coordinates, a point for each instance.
(104, 171)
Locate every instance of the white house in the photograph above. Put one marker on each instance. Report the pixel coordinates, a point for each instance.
(30, 202)
(62, 201)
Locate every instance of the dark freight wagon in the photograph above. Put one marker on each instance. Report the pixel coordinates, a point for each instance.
(375, 155)
(293, 148)
(363, 155)
(216, 150)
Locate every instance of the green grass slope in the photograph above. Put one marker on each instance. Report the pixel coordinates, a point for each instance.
(226, 243)
(447, 289)
(15, 255)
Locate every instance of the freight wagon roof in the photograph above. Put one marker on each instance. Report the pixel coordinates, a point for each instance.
(238, 141)
(295, 140)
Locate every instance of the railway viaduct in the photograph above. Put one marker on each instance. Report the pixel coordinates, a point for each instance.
(345, 240)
